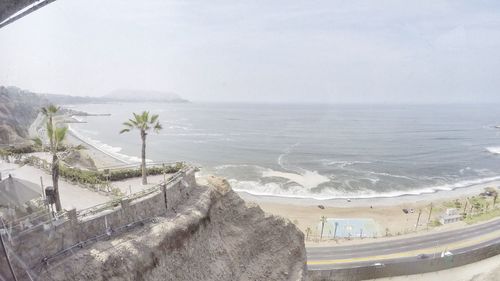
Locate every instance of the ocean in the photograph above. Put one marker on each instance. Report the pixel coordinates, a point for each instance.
(314, 150)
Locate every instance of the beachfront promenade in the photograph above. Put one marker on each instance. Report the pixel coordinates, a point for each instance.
(72, 195)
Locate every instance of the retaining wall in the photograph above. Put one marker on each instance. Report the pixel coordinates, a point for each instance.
(34, 247)
(404, 268)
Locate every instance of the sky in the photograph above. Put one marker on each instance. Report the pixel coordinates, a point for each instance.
(260, 50)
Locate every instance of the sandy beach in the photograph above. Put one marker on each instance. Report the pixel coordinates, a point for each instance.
(386, 212)
(101, 159)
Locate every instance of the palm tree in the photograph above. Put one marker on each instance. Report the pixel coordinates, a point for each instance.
(308, 232)
(56, 136)
(144, 123)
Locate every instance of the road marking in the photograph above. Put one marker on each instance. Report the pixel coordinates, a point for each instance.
(413, 253)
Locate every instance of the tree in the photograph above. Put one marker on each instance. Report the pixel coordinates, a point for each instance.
(323, 221)
(144, 123)
(56, 136)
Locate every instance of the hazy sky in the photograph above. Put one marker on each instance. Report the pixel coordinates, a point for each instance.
(323, 51)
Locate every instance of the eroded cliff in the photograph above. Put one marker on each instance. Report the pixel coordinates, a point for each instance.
(215, 235)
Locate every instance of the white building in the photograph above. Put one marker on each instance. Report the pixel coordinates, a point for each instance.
(450, 216)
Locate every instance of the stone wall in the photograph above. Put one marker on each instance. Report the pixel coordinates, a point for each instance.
(38, 245)
(405, 267)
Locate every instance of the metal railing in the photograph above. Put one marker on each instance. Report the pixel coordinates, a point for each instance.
(134, 196)
(35, 220)
(138, 165)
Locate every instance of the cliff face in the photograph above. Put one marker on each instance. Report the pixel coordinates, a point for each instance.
(215, 236)
(18, 109)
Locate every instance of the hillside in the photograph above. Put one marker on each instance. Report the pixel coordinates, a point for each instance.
(142, 95)
(18, 109)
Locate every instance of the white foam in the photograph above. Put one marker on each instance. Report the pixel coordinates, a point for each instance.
(494, 150)
(112, 151)
(343, 164)
(276, 189)
(308, 179)
(78, 118)
(389, 175)
(287, 151)
(173, 127)
(229, 166)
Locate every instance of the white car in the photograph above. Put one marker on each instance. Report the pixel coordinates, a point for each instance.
(446, 254)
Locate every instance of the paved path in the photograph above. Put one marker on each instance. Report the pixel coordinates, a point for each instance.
(457, 241)
(72, 196)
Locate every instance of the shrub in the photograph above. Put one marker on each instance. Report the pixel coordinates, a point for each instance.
(435, 223)
(96, 179)
(133, 173)
(13, 150)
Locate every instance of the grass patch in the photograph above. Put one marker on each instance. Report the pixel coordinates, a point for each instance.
(435, 223)
(483, 217)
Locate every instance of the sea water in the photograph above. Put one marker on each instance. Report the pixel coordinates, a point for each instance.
(313, 150)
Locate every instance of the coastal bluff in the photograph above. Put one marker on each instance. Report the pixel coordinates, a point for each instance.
(207, 233)
(18, 109)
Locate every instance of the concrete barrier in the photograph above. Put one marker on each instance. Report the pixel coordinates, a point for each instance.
(405, 267)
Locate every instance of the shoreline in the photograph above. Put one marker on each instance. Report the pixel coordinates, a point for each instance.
(104, 159)
(426, 193)
(91, 146)
(438, 195)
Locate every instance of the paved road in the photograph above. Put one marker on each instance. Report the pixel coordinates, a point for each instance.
(404, 249)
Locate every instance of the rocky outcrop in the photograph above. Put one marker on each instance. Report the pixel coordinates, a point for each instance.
(18, 109)
(215, 235)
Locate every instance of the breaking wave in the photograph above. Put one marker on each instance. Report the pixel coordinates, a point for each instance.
(494, 150)
(260, 188)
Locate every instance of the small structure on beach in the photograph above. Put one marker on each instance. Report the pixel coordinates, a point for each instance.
(450, 216)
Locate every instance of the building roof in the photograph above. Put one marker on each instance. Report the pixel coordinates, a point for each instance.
(16, 192)
(451, 217)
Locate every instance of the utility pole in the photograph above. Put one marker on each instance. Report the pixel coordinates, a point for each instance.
(418, 219)
(41, 184)
(429, 219)
(164, 173)
(7, 255)
(335, 231)
(323, 220)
